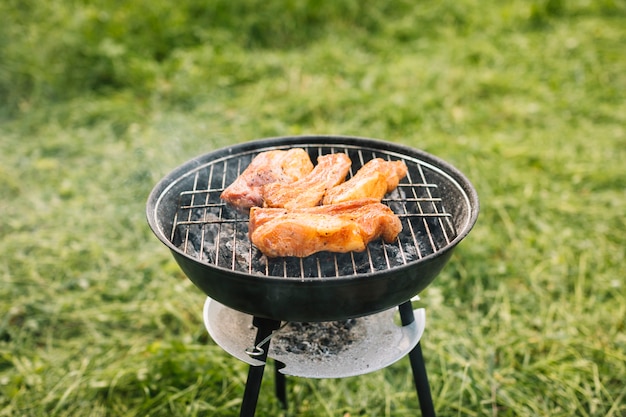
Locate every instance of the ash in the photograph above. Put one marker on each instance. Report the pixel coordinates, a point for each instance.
(317, 339)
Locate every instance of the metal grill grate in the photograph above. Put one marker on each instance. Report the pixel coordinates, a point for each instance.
(207, 229)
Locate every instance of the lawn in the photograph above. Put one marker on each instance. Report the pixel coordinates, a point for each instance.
(101, 99)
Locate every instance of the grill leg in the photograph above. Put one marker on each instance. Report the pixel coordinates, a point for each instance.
(265, 327)
(280, 382)
(417, 366)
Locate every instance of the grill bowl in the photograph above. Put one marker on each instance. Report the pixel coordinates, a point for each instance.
(438, 207)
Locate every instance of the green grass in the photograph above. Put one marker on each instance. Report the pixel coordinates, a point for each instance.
(101, 99)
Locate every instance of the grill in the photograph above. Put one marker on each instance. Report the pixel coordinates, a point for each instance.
(209, 240)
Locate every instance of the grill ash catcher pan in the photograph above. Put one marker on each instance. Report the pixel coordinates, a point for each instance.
(437, 206)
(362, 345)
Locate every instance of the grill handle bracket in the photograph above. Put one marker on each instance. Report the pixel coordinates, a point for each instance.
(257, 350)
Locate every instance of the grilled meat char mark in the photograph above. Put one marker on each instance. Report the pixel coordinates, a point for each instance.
(375, 179)
(342, 227)
(268, 167)
(331, 170)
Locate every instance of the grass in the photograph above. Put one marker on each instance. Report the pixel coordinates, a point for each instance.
(526, 98)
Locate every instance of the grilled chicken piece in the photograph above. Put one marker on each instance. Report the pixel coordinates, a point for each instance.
(375, 179)
(330, 171)
(266, 168)
(342, 227)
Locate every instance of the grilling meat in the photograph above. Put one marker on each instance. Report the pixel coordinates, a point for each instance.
(267, 167)
(331, 170)
(375, 179)
(341, 227)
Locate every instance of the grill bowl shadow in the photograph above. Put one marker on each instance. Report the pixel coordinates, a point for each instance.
(437, 204)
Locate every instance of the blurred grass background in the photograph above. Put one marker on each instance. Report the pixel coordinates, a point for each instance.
(101, 98)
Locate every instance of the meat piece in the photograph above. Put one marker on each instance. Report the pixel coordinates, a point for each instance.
(267, 167)
(375, 179)
(304, 234)
(342, 227)
(330, 171)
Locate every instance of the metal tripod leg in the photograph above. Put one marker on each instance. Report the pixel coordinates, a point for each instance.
(280, 384)
(265, 327)
(417, 365)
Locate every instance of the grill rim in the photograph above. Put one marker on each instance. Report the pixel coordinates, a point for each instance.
(458, 179)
